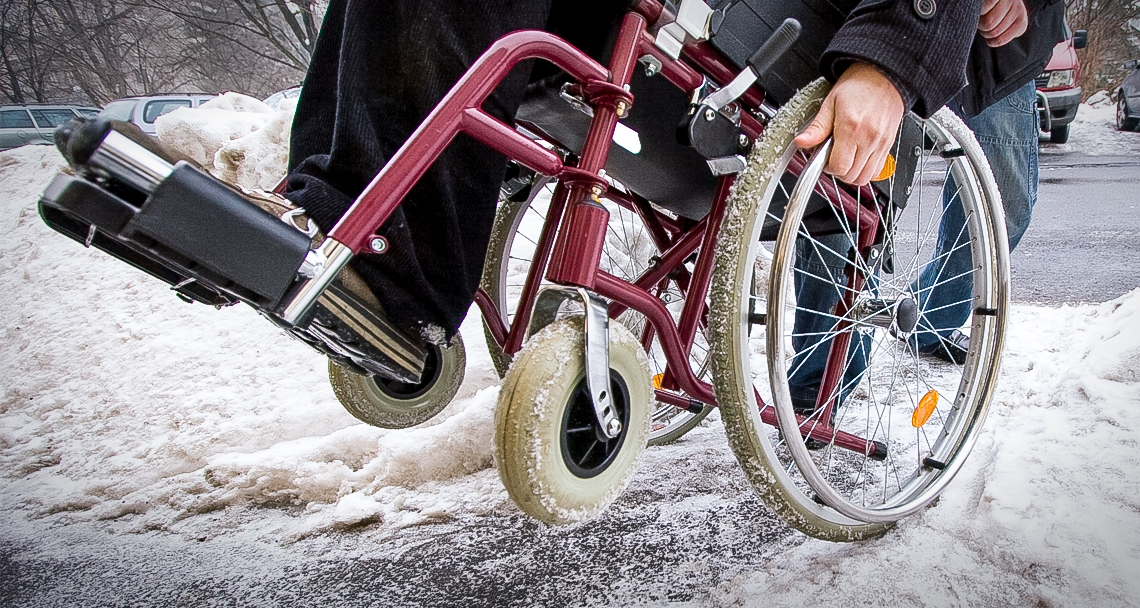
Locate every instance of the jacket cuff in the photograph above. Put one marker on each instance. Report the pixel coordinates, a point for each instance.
(893, 63)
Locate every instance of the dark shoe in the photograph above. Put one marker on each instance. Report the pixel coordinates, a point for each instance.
(951, 349)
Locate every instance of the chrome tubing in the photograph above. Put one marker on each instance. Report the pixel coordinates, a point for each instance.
(322, 265)
(130, 162)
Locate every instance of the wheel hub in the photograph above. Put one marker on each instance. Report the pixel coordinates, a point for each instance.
(899, 315)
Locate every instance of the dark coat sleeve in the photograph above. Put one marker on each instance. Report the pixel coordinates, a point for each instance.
(994, 73)
(924, 57)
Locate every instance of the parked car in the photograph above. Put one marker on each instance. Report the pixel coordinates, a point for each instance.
(275, 99)
(144, 110)
(1128, 98)
(35, 123)
(1058, 95)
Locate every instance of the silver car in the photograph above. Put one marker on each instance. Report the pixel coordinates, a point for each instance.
(144, 110)
(34, 123)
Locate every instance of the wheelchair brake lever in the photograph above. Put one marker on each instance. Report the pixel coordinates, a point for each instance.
(779, 43)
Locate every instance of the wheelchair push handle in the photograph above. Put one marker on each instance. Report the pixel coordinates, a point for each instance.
(779, 43)
(775, 47)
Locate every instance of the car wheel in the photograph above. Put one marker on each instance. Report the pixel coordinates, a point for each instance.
(1059, 135)
(1123, 121)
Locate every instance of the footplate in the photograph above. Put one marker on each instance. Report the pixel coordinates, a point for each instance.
(88, 214)
(349, 326)
(213, 245)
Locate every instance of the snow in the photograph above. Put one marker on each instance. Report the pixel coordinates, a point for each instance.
(122, 408)
(1093, 132)
(236, 137)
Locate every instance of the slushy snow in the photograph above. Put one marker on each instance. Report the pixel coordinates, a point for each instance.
(122, 406)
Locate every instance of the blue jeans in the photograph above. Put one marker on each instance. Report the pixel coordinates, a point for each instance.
(1007, 132)
(820, 270)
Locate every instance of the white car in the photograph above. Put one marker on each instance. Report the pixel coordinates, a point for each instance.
(275, 99)
(144, 110)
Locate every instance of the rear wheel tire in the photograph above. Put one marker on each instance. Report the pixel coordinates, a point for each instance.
(825, 490)
(1059, 135)
(391, 404)
(550, 456)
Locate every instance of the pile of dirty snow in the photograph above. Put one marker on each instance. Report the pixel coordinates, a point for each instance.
(1046, 511)
(118, 400)
(236, 137)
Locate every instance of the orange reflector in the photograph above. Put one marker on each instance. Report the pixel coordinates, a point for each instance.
(657, 380)
(925, 408)
(888, 169)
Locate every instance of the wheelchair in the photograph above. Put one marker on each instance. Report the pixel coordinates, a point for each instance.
(659, 250)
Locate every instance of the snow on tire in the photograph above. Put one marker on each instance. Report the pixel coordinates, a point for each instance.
(547, 452)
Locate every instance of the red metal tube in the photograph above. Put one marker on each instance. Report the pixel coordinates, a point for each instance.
(491, 317)
(517, 331)
(614, 288)
(691, 314)
(392, 184)
(510, 142)
(684, 77)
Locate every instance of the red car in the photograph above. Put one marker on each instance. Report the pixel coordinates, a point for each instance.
(1058, 95)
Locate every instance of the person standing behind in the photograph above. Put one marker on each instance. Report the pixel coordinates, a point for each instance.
(1013, 42)
(1007, 131)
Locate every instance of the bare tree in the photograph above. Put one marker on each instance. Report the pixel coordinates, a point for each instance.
(26, 58)
(1112, 40)
(88, 50)
(277, 31)
(95, 51)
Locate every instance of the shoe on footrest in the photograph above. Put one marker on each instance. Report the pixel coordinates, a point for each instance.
(348, 318)
(285, 210)
(951, 349)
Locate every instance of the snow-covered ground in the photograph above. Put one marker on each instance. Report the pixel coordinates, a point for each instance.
(1093, 132)
(127, 411)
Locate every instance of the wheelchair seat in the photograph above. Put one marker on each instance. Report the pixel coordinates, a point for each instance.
(672, 176)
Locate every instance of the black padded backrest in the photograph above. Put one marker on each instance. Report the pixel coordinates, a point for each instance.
(748, 23)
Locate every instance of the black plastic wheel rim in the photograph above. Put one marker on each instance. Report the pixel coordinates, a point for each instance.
(406, 390)
(586, 451)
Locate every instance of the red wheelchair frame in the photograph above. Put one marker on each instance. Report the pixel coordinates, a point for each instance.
(570, 246)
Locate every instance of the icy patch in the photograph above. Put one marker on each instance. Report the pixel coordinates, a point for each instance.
(236, 137)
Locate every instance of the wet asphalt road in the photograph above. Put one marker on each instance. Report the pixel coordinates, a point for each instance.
(1083, 244)
(686, 526)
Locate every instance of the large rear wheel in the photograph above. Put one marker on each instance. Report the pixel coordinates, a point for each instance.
(872, 429)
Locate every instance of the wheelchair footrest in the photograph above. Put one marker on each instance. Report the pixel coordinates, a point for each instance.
(192, 232)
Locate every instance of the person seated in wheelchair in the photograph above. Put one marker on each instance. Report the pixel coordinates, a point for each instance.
(379, 69)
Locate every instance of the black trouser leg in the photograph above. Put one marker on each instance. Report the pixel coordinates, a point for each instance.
(378, 70)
